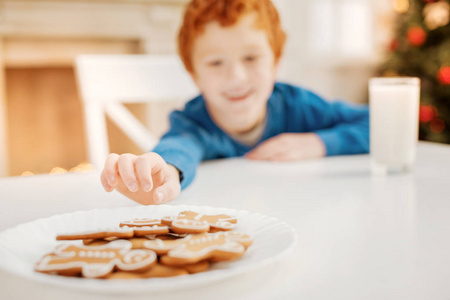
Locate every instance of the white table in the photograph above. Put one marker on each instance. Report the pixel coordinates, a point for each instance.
(360, 237)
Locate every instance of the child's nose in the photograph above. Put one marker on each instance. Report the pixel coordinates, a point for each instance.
(237, 72)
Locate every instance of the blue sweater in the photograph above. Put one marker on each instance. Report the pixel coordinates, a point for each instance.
(194, 137)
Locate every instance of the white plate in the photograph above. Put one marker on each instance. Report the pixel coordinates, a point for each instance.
(22, 246)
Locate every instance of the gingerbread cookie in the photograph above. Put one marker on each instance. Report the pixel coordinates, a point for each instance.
(242, 238)
(199, 267)
(140, 222)
(99, 234)
(96, 262)
(121, 232)
(192, 222)
(158, 270)
(137, 242)
(218, 246)
(145, 226)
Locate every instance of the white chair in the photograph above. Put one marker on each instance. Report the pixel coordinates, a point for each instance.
(106, 81)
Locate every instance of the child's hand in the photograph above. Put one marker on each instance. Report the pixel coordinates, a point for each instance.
(289, 146)
(146, 179)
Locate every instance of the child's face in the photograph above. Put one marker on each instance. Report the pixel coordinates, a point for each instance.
(235, 70)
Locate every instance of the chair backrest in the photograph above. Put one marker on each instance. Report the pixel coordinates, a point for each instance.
(107, 81)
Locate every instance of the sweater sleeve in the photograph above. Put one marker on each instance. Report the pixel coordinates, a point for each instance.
(183, 146)
(343, 127)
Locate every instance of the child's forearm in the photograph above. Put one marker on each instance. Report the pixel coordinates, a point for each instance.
(288, 147)
(347, 138)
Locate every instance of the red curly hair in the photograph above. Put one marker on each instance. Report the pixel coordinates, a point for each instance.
(227, 13)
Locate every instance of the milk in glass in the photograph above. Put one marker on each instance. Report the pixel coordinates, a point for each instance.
(394, 116)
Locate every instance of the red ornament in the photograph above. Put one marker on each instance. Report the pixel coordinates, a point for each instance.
(426, 113)
(393, 45)
(443, 75)
(437, 125)
(416, 36)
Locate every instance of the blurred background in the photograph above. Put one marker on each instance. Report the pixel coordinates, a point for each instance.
(333, 48)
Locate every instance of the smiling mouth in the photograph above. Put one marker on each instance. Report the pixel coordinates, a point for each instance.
(238, 97)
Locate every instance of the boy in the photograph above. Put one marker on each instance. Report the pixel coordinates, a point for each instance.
(231, 48)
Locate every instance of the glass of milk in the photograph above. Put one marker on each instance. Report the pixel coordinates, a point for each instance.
(394, 123)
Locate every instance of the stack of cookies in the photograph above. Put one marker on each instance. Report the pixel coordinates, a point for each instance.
(142, 248)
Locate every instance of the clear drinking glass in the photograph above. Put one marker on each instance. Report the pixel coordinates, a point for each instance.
(394, 123)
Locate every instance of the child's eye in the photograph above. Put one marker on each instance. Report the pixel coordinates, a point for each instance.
(215, 63)
(250, 58)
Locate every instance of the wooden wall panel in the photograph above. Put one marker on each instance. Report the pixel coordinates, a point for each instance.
(44, 120)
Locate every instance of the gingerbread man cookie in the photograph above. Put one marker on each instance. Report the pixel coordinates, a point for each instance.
(217, 246)
(96, 262)
(192, 222)
(145, 226)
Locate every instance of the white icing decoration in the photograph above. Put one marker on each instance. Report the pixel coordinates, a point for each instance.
(190, 224)
(140, 222)
(134, 259)
(223, 224)
(159, 244)
(168, 218)
(96, 270)
(237, 236)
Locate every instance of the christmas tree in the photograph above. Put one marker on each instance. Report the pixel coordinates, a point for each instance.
(421, 48)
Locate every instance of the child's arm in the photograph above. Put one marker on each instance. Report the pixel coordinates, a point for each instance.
(159, 176)
(184, 145)
(324, 128)
(344, 128)
(146, 179)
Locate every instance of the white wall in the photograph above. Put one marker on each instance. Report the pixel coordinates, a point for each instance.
(333, 46)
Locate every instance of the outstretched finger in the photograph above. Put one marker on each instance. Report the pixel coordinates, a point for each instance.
(127, 172)
(109, 176)
(158, 167)
(105, 183)
(143, 168)
(150, 170)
